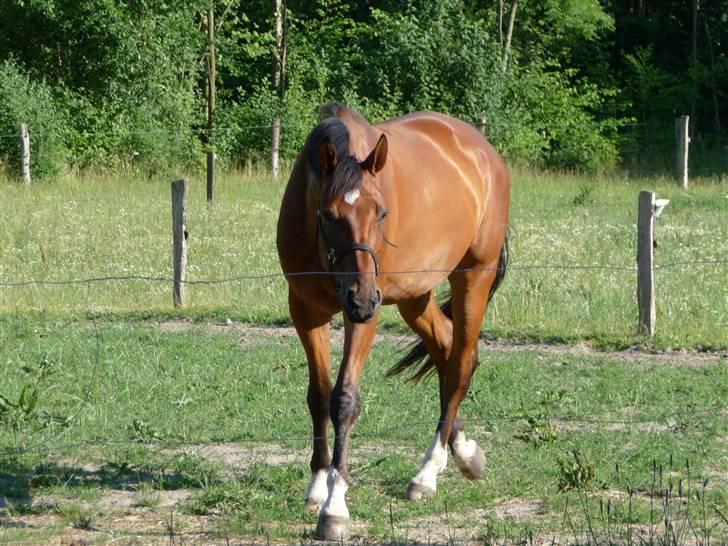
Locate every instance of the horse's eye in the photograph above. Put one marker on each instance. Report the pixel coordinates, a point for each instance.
(328, 215)
(382, 215)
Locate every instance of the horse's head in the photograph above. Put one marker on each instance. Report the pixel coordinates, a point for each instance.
(350, 226)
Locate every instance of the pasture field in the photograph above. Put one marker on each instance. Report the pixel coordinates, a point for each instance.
(572, 274)
(124, 420)
(147, 431)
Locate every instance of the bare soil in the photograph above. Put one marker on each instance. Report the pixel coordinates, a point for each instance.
(249, 335)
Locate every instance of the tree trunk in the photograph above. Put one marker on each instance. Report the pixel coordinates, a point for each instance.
(509, 35)
(278, 83)
(500, 23)
(713, 90)
(694, 63)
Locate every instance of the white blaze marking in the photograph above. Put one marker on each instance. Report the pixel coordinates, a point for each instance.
(351, 196)
(434, 462)
(335, 505)
(317, 489)
(463, 450)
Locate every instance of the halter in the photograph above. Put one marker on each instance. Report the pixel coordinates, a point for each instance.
(333, 254)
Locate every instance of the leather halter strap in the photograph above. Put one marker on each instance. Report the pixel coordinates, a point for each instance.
(334, 253)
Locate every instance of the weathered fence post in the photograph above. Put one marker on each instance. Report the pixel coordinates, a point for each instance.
(179, 239)
(25, 152)
(275, 147)
(211, 176)
(480, 125)
(682, 138)
(645, 261)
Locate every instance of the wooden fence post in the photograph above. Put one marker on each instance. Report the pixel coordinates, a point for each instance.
(480, 125)
(275, 147)
(179, 239)
(25, 152)
(683, 143)
(645, 262)
(211, 75)
(210, 176)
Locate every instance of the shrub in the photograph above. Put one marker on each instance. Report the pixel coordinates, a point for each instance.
(23, 100)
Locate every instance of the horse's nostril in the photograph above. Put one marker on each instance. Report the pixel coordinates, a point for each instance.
(351, 297)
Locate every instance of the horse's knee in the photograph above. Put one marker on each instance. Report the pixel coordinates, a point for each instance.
(345, 405)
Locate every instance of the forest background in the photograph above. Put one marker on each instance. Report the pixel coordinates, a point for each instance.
(579, 85)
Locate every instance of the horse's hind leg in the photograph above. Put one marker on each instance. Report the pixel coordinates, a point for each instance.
(435, 329)
(313, 329)
(470, 291)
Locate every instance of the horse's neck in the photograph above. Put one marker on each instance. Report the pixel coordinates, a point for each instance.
(362, 136)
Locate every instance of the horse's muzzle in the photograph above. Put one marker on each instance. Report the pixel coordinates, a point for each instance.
(360, 305)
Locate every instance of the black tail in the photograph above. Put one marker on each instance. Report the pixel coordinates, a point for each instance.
(417, 356)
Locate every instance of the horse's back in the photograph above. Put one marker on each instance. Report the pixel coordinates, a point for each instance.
(449, 174)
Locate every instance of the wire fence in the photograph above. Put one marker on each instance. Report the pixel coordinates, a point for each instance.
(267, 276)
(631, 156)
(403, 430)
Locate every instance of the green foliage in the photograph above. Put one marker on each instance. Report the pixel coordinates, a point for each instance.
(121, 84)
(23, 100)
(575, 471)
(121, 79)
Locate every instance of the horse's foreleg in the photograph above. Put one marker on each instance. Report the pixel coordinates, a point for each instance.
(334, 521)
(314, 331)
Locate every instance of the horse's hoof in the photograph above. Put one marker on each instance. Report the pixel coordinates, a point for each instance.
(474, 467)
(332, 528)
(416, 491)
(312, 505)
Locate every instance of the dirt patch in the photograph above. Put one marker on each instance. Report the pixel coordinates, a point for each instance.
(520, 509)
(241, 456)
(469, 528)
(250, 335)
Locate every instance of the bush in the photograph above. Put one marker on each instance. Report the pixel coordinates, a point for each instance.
(25, 101)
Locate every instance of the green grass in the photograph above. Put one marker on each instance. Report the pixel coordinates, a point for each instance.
(134, 407)
(98, 399)
(89, 228)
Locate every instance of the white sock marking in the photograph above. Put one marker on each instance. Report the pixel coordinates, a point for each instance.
(335, 504)
(463, 450)
(434, 462)
(317, 489)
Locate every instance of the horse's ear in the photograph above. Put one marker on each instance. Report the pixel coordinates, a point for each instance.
(327, 155)
(376, 159)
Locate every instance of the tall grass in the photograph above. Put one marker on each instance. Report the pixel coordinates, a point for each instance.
(572, 272)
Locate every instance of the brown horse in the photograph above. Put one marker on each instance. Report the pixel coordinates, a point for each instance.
(379, 215)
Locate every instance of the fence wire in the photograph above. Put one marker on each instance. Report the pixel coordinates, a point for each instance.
(46, 444)
(268, 276)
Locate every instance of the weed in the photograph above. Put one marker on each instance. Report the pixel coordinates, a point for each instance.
(146, 496)
(15, 414)
(142, 431)
(575, 472)
(77, 516)
(539, 428)
(585, 196)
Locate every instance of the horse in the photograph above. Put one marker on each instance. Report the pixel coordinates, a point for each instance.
(380, 215)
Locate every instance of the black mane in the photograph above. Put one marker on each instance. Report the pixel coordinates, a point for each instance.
(347, 175)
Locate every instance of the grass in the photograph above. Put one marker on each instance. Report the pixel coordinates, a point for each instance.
(151, 412)
(201, 425)
(90, 228)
